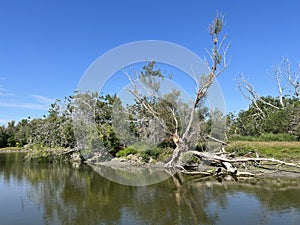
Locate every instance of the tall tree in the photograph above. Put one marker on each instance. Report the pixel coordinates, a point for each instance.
(182, 134)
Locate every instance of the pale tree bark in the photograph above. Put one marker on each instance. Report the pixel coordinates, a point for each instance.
(278, 71)
(249, 92)
(218, 64)
(282, 71)
(294, 79)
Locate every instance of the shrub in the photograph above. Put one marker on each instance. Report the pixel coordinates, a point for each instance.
(189, 158)
(243, 138)
(165, 154)
(276, 137)
(167, 143)
(151, 153)
(265, 137)
(126, 152)
(242, 150)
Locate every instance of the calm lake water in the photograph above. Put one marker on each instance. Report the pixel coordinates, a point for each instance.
(66, 194)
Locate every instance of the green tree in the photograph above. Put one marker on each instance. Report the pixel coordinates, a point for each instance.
(10, 132)
(3, 137)
(22, 132)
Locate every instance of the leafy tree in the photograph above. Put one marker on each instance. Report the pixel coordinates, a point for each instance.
(3, 137)
(22, 133)
(284, 120)
(10, 131)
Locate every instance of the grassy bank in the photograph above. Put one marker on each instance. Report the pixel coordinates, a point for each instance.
(289, 151)
(12, 149)
(283, 150)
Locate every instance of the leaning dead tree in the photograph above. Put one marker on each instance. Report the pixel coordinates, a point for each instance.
(184, 131)
(217, 65)
(287, 82)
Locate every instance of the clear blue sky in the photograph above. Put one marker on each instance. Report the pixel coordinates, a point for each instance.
(46, 46)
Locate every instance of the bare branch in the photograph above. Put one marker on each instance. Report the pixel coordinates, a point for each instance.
(175, 120)
(223, 159)
(295, 81)
(139, 97)
(252, 95)
(215, 70)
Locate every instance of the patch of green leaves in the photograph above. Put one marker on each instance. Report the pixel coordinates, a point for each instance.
(125, 152)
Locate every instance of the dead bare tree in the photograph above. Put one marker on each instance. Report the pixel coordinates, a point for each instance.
(278, 71)
(182, 135)
(293, 78)
(283, 77)
(249, 92)
(218, 63)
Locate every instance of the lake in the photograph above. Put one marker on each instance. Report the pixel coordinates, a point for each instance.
(40, 193)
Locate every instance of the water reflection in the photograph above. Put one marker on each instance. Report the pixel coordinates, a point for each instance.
(133, 175)
(62, 194)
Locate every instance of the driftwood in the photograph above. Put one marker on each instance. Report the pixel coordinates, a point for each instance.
(236, 160)
(227, 164)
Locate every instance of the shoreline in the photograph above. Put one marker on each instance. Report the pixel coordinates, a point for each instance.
(14, 151)
(123, 163)
(258, 172)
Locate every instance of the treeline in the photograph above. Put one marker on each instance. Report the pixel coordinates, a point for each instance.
(56, 129)
(266, 119)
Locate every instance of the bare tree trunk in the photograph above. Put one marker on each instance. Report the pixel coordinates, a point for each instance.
(181, 147)
(218, 58)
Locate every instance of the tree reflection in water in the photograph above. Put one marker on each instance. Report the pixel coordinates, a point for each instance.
(79, 195)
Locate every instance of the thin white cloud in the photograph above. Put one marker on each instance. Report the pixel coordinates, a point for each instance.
(26, 105)
(43, 99)
(40, 103)
(4, 92)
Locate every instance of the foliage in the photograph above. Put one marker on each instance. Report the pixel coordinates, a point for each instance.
(125, 152)
(189, 158)
(284, 120)
(264, 137)
(153, 153)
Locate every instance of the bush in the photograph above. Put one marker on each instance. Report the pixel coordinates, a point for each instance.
(167, 143)
(242, 150)
(126, 152)
(243, 138)
(277, 137)
(189, 158)
(151, 153)
(165, 154)
(265, 137)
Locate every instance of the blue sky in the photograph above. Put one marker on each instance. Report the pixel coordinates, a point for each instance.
(46, 46)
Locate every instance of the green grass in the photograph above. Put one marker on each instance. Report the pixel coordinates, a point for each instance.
(11, 149)
(265, 137)
(289, 151)
(127, 151)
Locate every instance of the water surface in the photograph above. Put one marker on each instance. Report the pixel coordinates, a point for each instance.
(72, 194)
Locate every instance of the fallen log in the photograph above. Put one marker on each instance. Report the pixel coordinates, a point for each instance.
(211, 156)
